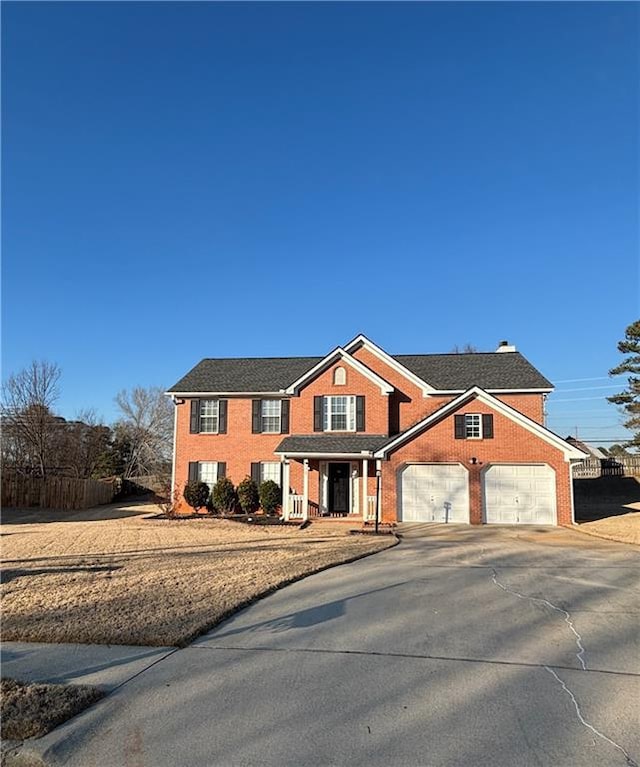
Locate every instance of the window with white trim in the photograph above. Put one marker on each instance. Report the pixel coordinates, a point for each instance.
(209, 411)
(270, 470)
(340, 413)
(271, 415)
(473, 426)
(208, 473)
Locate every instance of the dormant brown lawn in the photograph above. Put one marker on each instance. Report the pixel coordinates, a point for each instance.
(31, 710)
(143, 581)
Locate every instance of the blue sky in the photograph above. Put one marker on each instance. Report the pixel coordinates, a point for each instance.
(187, 180)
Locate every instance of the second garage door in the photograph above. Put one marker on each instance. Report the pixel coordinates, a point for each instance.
(520, 494)
(435, 493)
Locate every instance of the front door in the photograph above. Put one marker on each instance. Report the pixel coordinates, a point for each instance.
(339, 488)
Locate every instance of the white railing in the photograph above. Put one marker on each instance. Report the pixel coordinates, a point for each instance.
(296, 506)
(371, 507)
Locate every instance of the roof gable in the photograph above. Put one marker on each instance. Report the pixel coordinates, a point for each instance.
(339, 355)
(570, 452)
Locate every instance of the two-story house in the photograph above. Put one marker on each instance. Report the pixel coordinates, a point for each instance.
(428, 437)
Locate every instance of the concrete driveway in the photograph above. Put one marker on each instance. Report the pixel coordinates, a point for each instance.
(461, 646)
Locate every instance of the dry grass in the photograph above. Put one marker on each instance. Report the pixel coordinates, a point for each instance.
(32, 710)
(133, 580)
(624, 528)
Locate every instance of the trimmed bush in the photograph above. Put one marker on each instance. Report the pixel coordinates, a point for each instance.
(223, 496)
(270, 496)
(196, 494)
(248, 496)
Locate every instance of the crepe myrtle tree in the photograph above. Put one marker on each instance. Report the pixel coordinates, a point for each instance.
(270, 496)
(196, 494)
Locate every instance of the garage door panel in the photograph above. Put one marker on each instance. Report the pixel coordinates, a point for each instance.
(434, 493)
(520, 494)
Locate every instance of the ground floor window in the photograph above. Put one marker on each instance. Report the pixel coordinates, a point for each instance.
(208, 473)
(270, 470)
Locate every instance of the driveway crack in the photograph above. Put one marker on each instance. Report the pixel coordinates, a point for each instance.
(567, 616)
(579, 655)
(588, 725)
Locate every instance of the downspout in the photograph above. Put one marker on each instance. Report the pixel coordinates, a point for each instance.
(173, 461)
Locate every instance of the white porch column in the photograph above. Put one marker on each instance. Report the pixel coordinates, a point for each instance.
(305, 490)
(379, 487)
(365, 499)
(285, 490)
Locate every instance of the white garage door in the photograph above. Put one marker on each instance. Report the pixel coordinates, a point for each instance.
(435, 493)
(522, 494)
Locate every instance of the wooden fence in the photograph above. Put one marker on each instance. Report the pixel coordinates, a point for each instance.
(55, 492)
(621, 466)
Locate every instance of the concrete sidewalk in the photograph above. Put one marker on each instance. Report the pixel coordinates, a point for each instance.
(103, 666)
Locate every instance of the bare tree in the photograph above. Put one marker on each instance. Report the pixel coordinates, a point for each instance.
(28, 420)
(81, 444)
(466, 349)
(147, 423)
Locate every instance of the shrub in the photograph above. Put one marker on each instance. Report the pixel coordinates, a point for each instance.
(196, 494)
(248, 497)
(270, 496)
(223, 496)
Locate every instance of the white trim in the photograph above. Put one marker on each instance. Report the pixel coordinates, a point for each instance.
(351, 414)
(476, 392)
(573, 508)
(228, 394)
(362, 340)
(365, 487)
(339, 353)
(345, 456)
(173, 460)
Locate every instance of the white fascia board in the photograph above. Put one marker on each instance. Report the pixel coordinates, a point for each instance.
(340, 353)
(476, 392)
(362, 340)
(351, 456)
(264, 394)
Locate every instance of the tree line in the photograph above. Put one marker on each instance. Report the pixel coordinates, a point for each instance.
(38, 442)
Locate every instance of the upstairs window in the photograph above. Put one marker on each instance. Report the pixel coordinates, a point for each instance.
(474, 426)
(340, 413)
(209, 412)
(271, 416)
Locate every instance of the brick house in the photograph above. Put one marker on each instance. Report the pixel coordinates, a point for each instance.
(435, 437)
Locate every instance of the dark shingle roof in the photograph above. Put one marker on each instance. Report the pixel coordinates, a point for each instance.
(488, 370)
(331, 443)
(244, 374)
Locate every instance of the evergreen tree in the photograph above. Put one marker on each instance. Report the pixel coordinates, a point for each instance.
(629, 400)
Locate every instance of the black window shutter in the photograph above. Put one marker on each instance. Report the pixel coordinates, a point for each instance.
(222, 469)
(317, 413)
(359, 413)
(487, 426)
(460, 431)
(256, 416)
(193, 471)
(195, 416)
(284, 417)
(222, 416)
(255, 473)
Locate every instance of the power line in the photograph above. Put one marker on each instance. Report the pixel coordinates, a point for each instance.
(578, 399)
(591, 388)
(578, 380)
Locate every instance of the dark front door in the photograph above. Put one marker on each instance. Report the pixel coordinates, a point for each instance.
(339, 488)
